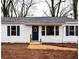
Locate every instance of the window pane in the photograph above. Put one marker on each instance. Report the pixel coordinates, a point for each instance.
(71, 32)
(18, 30)
(13, 30)
(13, 27)
(50, 30)
(43, 27)
(66, 30)
(57, 27)
(43, 32)
(8, 30)
(13, 33)
(71, 27)
(76, 30)
(57, 30)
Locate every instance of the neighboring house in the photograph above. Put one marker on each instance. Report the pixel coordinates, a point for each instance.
(44, 29)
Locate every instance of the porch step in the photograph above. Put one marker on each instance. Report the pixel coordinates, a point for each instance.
(35, 42)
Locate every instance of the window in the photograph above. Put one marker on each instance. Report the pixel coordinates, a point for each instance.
(43, 30)
(13, 30)
(57, 30)
(50, 30)
(71, 30)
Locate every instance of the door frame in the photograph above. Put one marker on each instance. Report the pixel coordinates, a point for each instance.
(37, 33)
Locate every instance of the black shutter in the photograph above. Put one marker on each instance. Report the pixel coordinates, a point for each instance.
(66, 30)
(76, 30)
(8, 30)
(18, 30)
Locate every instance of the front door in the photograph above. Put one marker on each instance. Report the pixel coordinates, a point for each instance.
(35, 32)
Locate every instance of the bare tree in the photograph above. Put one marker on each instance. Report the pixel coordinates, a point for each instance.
(9, 8)
(55, 10)
(25, 6)
(75, 12)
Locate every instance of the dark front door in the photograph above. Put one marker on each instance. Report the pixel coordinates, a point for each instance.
(35, 32)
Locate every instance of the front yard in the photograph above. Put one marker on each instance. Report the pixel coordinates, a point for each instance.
(40, 51)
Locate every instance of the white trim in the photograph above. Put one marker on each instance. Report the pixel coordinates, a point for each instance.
(13, 30)
(42, 30)
(54, 30)
(71, 22)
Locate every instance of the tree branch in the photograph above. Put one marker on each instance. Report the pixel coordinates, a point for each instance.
(67, 12)
(45, 13)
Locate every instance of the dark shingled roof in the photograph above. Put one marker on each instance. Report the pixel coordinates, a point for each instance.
(36, 20)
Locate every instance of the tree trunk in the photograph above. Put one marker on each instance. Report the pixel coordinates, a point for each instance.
(58, 8)
(4, 9)
(75, 2)
(53, 9)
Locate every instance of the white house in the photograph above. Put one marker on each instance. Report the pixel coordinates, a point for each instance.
(44, 29)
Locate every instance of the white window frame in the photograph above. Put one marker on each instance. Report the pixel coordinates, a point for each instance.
(54, 31)
(13, 30)
(43, 30)
(71, 30)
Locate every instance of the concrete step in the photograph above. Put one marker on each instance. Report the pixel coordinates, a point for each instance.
(35, 42)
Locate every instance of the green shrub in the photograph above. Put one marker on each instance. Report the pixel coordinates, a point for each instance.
(30, 38)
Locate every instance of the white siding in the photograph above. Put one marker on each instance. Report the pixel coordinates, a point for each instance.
(25, 32)
(62, 38)
(69, 39)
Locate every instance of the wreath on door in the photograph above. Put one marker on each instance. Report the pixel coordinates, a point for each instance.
(35, 29)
